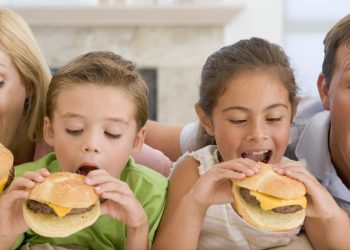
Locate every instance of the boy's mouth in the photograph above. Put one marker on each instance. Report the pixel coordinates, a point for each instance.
(84, 170)
(263, 156)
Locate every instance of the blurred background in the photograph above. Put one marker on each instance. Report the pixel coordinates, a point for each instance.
(169, 40)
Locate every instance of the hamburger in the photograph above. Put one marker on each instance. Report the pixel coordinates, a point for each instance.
(7, 171)
(269, 201)
(61, 205)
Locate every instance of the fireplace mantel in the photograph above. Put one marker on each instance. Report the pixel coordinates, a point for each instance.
(157, 15)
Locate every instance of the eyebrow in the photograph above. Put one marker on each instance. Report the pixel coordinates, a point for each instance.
(113, 119)
(244, 109)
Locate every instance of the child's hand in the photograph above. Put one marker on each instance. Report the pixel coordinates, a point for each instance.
(12, 223)
(214, 187)
(121, 203)
(320, 203)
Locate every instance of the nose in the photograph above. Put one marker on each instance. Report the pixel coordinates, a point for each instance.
(257, 131)
(91, 144)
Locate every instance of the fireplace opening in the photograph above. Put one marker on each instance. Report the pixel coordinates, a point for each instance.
(150, 77)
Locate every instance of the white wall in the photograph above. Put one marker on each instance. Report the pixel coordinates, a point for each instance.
(306, 24)
(257, 18)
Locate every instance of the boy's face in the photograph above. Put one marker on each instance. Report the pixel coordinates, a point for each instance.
(93, 127)
(252, 119)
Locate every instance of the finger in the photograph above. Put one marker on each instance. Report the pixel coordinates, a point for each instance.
(241, 166)
(21, 183)
(97, 172)
(121, 199)
(35, 176)
(10, 197)
(251, 164)
(285, 168)
(311, 184)
(223, 173)
(44, 172)
(115, 186)
(291, 171)
(99, 178)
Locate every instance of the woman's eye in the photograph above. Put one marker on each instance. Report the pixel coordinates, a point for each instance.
(112, 136)
(74, 131)
(273, 120)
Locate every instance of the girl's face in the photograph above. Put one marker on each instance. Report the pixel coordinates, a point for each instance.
(12, 99)
(93, 127)
(252, 119)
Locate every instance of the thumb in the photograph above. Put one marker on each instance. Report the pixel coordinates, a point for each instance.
(103, 209)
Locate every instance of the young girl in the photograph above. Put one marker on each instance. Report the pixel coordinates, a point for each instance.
(96, 111)
(246, 106)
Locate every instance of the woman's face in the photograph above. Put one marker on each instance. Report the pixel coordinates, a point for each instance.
(12, 99)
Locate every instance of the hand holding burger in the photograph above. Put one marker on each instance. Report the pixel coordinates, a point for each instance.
(61, 205)
(269, 201)
(7, 171)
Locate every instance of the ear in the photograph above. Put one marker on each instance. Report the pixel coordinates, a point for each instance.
(48, 131)
(139, 140)
(323, 91)
(204, 119)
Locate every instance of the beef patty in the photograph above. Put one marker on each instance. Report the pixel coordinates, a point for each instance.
(38, 207)
(245, 193)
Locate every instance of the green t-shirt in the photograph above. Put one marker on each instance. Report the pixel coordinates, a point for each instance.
(106, 233)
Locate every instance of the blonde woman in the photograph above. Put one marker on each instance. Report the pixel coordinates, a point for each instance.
(24, 80)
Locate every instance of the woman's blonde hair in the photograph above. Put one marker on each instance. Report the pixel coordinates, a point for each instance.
(17, 40)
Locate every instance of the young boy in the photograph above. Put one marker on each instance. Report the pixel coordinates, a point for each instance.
(96, 111)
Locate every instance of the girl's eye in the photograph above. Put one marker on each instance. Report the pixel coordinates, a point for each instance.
(273, 120)
(112, 136)
(74, 131)
(238, 122)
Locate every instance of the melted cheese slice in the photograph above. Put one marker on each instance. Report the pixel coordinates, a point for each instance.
(60, 211)
(2, 183)
(268, 202)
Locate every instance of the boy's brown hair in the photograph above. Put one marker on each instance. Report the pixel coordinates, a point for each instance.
(104, 69)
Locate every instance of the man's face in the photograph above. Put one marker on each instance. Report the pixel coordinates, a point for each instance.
(336, 98)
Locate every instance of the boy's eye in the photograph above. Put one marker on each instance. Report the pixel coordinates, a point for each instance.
(273, 120)
(238, 122)
(112, 136)
(74, 131)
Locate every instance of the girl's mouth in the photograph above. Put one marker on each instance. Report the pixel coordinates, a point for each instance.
(263, 156)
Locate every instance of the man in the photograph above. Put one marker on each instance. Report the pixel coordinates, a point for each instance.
(323, 140)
